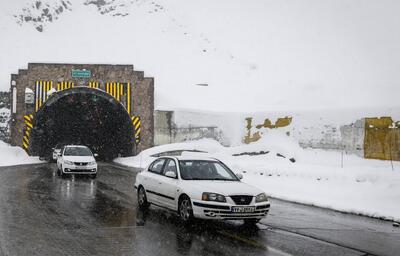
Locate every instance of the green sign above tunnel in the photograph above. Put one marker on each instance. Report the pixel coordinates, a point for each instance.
(81, 73)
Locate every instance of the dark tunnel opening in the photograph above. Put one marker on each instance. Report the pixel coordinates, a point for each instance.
(83, 116)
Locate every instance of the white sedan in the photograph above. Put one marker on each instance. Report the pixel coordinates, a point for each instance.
(199, 188)
(74, 159)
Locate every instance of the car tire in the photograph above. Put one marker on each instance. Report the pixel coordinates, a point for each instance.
(93, 176)
(185, 210)
(142, 198)
(251, 222)
(62, 174)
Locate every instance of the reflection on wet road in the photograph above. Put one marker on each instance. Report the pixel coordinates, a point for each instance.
(42, 214)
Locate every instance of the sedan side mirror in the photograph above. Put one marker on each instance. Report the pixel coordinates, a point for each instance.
(96, 155)
(170, 174)
(239, 175)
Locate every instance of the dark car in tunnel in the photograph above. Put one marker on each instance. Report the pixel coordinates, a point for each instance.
(57, 151)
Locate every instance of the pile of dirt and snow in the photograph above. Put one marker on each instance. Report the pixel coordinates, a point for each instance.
(327, 179)
(15, 156)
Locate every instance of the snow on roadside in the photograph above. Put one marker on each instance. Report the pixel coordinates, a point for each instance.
(10, 155)
(315, 177)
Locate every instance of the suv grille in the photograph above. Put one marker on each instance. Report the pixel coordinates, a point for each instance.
(242, 199)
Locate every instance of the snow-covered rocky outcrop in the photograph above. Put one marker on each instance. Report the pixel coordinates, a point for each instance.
(39, 13)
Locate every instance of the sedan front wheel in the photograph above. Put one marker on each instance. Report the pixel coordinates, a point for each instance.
(185, 210)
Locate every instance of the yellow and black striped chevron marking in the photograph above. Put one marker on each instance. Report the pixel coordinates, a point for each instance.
(93, 84)
(41, 92)
(43, 87)
(117, 90)
(136, 125)
(64, 85)
(28, 120)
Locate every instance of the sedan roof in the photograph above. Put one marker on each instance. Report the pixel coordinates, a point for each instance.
(76, 146)
(201, 158)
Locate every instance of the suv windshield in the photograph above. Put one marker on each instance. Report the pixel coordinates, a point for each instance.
(77, 151)
(205, 170)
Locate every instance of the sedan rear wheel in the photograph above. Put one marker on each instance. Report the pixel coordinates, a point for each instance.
(142, 198)
(185, 210)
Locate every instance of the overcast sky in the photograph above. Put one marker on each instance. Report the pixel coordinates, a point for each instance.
(267, 55)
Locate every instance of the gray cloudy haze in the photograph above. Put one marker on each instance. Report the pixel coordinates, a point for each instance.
(270, 55)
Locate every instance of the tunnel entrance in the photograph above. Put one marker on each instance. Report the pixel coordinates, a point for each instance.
(83, 116)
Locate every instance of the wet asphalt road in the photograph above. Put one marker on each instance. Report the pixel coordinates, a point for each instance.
(42, 214)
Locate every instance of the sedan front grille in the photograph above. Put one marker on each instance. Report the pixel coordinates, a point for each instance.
(80, 163)
(242, 199)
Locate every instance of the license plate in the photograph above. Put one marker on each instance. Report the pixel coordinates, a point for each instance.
(240, 209)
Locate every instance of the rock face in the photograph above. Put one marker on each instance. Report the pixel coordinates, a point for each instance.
(111, 7)
(40, 13)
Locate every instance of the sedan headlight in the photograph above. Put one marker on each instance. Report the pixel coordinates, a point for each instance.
(207, 196)
(68, 162)
(92, 163)
(261, 198)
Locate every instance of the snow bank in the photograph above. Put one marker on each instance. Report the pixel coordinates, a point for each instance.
(15, 156)
(323, 178)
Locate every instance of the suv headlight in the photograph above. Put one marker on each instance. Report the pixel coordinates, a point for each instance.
(68, 162)
(92, 163)
(207, 196)
(261, 198)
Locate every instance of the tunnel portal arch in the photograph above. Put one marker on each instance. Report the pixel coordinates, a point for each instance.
(83, 115)
(39, 88)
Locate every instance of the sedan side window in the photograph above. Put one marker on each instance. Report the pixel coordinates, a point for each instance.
(170, 166)
(157, 166)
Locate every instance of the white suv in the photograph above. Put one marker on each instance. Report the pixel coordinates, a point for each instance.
(76, 160)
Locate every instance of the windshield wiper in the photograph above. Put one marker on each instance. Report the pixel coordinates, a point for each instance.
(221, 179)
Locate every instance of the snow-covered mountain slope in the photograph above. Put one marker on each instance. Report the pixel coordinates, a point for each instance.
(257, 55)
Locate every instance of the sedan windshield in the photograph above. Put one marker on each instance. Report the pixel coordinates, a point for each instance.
(77, 151)
(205, 170)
